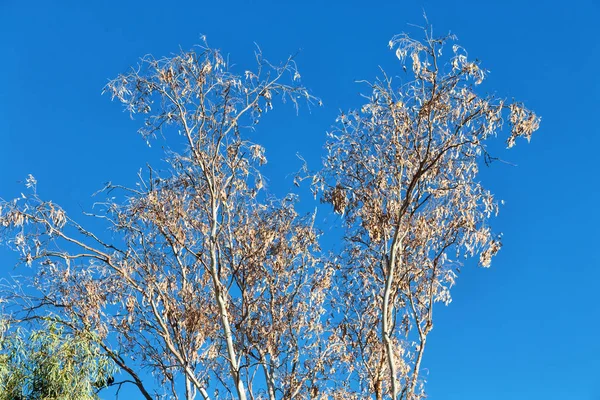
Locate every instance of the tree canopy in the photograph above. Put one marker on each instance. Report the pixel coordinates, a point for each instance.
(51, 364)
(210, 286)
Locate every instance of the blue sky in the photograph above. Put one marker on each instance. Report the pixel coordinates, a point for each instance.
(527, 328)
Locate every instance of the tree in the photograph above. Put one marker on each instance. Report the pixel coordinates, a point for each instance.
(208, 283)
(219, 289)
(403, 173)
(50, 364)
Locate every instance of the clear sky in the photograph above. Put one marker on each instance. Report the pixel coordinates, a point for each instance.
(527, 328)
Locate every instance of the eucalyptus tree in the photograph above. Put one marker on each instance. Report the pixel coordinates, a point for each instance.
(403, 173)
(51, 363)
(210, 284)
(218, 289)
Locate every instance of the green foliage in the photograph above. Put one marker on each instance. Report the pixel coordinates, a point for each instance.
(50, 364)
